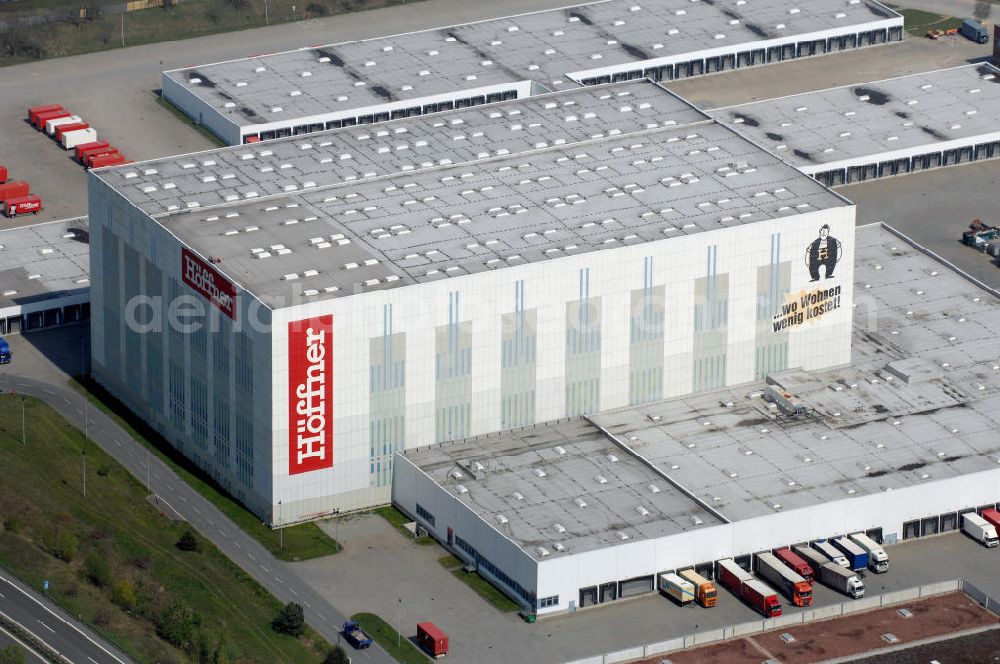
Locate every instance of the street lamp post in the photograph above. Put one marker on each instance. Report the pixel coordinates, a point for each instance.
(399, 622)
(266, 20)
(281, 529)
(24, 431)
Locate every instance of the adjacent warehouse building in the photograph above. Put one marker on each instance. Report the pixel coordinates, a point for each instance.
(361, 82)
(899, 443)
(45, 275)
(435, 278)
(901, 125)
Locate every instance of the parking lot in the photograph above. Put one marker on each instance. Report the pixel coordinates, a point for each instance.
(378, 567)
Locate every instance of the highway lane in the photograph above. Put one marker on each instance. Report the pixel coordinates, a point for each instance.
(53, 626)
(193, 508)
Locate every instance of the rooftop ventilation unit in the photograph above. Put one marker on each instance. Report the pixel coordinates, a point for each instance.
(612, 458)
(501, 519)
(559, 547)
(642, 510)
(601, 479)
(542, 551)
(518, 495)
(580, 502)
(457, 474)
(560, 450)
(622, 535)
(653, 488)
(461, 489)
(539, 472)
(559, 527)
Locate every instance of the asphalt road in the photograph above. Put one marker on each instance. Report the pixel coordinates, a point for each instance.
(239, 547)
(50, 624)
(30, 657)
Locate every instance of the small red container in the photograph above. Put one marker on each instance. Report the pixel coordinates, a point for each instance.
(22, 205)
(3, 174)
(42, 118)
(101, 160)
(87, 149)
(14, 189)
(72, 126)
(34, 111)
(432, 639)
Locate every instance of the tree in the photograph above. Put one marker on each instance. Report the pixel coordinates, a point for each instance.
(336, 656)
(188, 542)
(290, 620)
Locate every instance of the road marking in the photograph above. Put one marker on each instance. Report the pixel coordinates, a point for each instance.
(237, 545)
(321, 617)
(263, 568)
(183, 498)
(308, 605)
(293, 591)
(92, 659)
(196, 510)
(46, 627)
(251, 557)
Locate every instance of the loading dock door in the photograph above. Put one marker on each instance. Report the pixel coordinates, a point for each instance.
(609, 592)
(588, 596)
(637, 586)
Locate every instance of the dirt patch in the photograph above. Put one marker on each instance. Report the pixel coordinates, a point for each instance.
(982, 648)
(861, 633)
(730, 652)
(856, 634)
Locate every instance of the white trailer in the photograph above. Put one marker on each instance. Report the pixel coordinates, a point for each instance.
(831, 552)
(50, 126)
(71, 139)
(979, 529)
(878, 559)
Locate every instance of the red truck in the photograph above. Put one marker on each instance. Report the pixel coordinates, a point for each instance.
(42, 118)
(432, 639)
(87, 149)
(69, 126)
(750, 590)
(34, 111)
(779, 575)
(14, 189)
(115, 158)
(3, 174)
(795, 561)
(992, 516)
(21, 205)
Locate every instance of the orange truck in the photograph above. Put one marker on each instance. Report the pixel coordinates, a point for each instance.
(787, 580)
(705, 592)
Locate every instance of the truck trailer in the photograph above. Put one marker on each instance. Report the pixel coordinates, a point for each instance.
(35, 111)
(432, 639)
(795, 562)
(103, 159)
(705, 592)
(22, 205)
(71, 139)
(52, 123)
(68, 127)
(831, 552)
(679, 589)
(5, 354)
(878, 559)
(979, 529)
(841, 579)
(753, 592)
(857, 557)
(14, 189)
(42, 118)
(3, 174)
(992, 517)
(785, 579)
(87, 149)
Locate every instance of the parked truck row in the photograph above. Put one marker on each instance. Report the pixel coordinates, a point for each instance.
(16, 197)
(982, 527)
(73, 133)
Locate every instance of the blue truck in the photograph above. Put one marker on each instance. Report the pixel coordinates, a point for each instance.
(974, 30)
(5, 355)
(355, 635)
(857, 558)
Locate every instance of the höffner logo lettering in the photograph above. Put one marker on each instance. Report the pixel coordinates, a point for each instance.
(200, 276)
(310, 394)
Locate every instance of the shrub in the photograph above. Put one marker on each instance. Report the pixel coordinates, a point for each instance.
(290, 620)
(12, 654)
(336, 656)
(97, 569)
(316, 9)
(123, 594)
(177, 625)
(188, 542)
(13, 524)
(66, 546)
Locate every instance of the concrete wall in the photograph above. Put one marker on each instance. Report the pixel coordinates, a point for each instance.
(200, 112)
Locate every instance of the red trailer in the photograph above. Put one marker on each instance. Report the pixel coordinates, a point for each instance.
(14, 189)
(42, 118)
(760, 596)
(432, 639)
(35, 110)
(731, 575)
(793, 560)
(15, 206)
(3, 174)
(100, 161)
(70, 126)
(83, 151)
(992, 516)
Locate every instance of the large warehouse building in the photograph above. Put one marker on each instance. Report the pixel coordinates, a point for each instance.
(435, 278)
(893, 127)
(361, 82)
(899, 443)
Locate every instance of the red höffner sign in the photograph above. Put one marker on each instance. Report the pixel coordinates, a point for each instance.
(310, 394)
(200, 276)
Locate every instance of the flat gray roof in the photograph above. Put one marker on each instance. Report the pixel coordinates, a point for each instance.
(542, 46)
(919, 402)
(637, 165)
(44, 261)
(915, 113)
